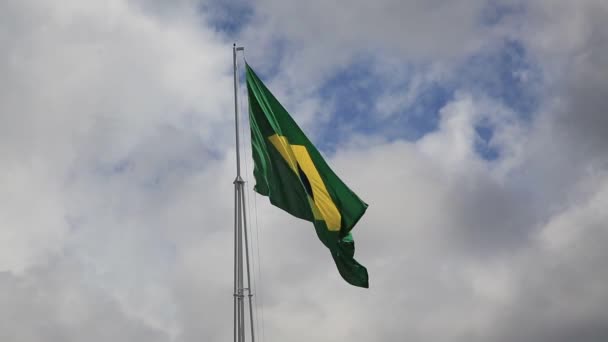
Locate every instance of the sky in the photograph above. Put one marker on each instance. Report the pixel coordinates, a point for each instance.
(476, 130)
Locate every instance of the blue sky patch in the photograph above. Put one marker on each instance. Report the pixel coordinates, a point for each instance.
(505, 74)
(227, 17)
(483, 146)
(354, 93)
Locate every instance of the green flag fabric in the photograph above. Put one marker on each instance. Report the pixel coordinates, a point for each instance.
(292, 173)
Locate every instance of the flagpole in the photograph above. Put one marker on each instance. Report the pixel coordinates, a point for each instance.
(236, 111)
(240, 231)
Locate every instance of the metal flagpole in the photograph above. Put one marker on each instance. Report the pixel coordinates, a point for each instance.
(240, 233)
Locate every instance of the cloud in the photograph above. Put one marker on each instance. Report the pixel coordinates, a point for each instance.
(103, 108)
(54, 302)
(116, 146)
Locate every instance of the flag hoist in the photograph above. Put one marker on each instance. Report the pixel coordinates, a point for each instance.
(291, 172)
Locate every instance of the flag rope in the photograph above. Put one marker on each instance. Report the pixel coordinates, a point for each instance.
(255, 244)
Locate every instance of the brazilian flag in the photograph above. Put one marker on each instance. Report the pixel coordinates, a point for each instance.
(292, 173)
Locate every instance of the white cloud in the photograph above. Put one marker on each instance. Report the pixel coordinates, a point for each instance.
(115, 142)
(55, 302)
